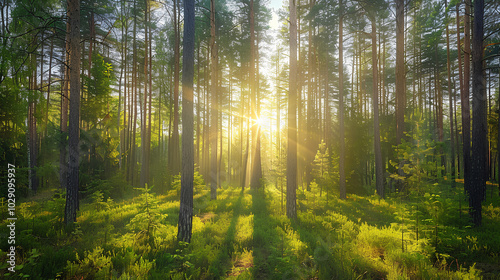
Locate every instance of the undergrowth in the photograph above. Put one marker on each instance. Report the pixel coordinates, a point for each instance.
(245, 235)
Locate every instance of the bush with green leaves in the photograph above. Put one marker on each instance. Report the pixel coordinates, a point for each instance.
(94, 265)
(147, 221)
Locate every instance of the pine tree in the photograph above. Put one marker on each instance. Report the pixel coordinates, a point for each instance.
(187, 178)
(74, 113)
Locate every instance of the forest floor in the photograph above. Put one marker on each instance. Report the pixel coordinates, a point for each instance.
(246, 235)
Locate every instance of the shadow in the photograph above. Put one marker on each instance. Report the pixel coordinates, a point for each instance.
(268, 259)
(222, 262)
(328, 245)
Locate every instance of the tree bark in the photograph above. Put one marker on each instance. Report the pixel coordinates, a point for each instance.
(63, 153)
(479, 170)
(144, 123)
(465, 100)
(309, 151)
(379, 172)
(186, 203)
(174, 149)
(291, 183)
(256, 129)
(213, 107)
(342, 181)
(74, 114)
(450, 102)
(400, 78)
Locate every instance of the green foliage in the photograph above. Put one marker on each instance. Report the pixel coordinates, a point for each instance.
(358, 146)
(198, 183)
(98, 202)
(323, 172)
(243, 235)
(95, 265)
(417, 158)
(114, 187)
(147, 221)
(95, 106)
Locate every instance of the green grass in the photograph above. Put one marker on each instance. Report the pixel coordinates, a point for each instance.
(245, 235)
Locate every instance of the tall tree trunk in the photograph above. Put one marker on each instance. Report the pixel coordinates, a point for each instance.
(244, 158)
(144, 124)
(213, 111)
(310, 128)
(186, 203)
(174, 149)
(49, 84)
(122, 66)
(63, 153)
(465, 99)
(133, 105)
(256, 129)
(198, 107)
(229, 131)
(479, 171)
(150, 80)
(342, 181)
(400, 78)
(126, 94)
(439, 111)
(206, 128)
(291, 183)
(74, 114)
(32, 124)
(450, 102)
(379, 171)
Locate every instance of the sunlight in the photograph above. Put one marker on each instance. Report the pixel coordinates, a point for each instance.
(262, 121)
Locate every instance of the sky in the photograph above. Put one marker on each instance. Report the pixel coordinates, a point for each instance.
(274, 5)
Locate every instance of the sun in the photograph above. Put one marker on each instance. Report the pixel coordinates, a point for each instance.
(260, 121)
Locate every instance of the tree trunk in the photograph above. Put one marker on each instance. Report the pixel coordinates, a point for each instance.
(174, 149)
(63, 153)
(342, 181)
(186, 203)
(144, 123)
(479, 171)
(400, 78)
(379, 172)
(309, 151)
(291, 183)
(198, 107)
(74, 113)
(465, 99)
(214, 106)
(256, 129)
(450, 102)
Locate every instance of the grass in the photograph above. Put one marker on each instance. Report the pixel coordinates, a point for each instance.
(245, 235)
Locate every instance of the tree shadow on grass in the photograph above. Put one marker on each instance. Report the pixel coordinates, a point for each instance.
(222, 262)
(328, 240)
(268, 259)
(357, 209)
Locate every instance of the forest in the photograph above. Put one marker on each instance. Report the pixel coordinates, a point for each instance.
(250, 139)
